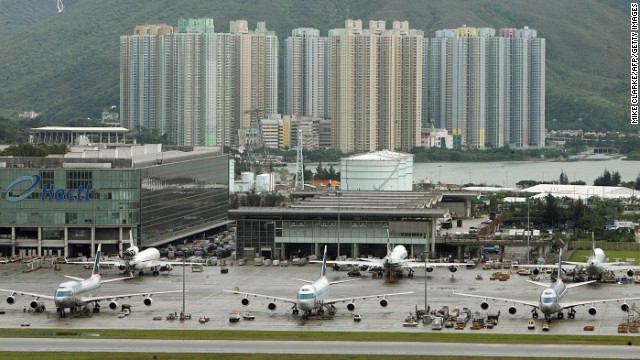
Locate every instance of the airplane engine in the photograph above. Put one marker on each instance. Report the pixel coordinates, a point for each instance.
(130, 252)
(113, 305)
(364, 268)
(351, 306)
(513, 310)
(11, 299)
(384, 303)
(147, 301)
(453, 268)
(624, 307)
(245, 301)
(536, 271)
(166, 267)
(35, 304)
(429, 268)
(335, 267)
(593, 311)
(484, 305)
(271, 306)
(122, 267)
(630, 272)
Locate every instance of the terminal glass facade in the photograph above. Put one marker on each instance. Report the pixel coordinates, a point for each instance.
(182, 196)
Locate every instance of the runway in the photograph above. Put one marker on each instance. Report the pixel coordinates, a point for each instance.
(319, 347)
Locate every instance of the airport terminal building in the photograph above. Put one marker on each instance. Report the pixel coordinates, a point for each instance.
(66, 205)
(350, 223)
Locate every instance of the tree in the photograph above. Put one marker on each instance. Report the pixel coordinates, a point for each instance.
(564, 180)
(604, 180)
(552, 211)
(637, 184)
(615, 179)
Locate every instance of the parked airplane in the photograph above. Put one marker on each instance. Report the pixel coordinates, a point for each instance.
(396, 261)
(549, 302)
(313, 297)
(597, 264)
(135, 260)
(76, 295)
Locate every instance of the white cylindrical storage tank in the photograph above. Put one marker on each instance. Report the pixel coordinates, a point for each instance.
(247, 181)
(265, 182)
(382, 170)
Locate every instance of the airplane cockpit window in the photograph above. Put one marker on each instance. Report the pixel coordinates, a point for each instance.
(63, 292)
(305, 296)
(548, 300)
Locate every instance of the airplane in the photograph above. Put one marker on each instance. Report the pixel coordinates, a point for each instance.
(135, 260)
(396, 261)
(76, 295)
(549, 302)
(597, 264)
(312, 297)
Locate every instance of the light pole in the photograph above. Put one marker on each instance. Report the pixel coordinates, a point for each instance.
(338, 234)
(183, 278)
(528, 233)
(426, 307)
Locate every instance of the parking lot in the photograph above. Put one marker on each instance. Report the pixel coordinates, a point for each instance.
(204, 297)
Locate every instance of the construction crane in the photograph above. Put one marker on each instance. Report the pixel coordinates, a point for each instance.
(59, 5)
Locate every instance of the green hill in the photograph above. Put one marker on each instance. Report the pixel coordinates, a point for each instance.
(67, 65)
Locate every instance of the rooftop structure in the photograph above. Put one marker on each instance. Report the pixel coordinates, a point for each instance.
(69, 135)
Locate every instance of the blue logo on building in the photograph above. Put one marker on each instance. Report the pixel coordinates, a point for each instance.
(48, 191)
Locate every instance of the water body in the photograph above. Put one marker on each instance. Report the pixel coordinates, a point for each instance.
(508, 173)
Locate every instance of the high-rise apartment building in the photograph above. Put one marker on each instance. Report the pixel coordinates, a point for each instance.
(488, 89)
(305, 80)
(139, 76)
(375, 86)
(203, 87)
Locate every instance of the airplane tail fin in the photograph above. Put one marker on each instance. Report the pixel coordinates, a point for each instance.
(323, 271)
(560, 266)
(593, 245)
(96, 264)
(389, 250)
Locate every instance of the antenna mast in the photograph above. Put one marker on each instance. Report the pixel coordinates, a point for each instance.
(299, 184)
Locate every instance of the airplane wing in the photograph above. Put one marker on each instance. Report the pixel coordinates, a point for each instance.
(333, 301)
(102, 262)
(292, 301)
(529, 303)
(49, 297)
(116, 279)
(413, 264)
(89, 299)
(359, 262)
(161, 263)
(581, 303)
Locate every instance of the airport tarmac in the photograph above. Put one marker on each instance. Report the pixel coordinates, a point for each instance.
(205, 297)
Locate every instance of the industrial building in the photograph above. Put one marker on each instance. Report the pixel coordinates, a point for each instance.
(66, 205)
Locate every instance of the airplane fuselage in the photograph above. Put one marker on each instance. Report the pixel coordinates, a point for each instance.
(396, 258)
(550, 298)
(311, 296)
(595, 262)
(69, 294)
(144, 256)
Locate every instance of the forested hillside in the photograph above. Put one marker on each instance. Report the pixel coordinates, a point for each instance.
(66, 65)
